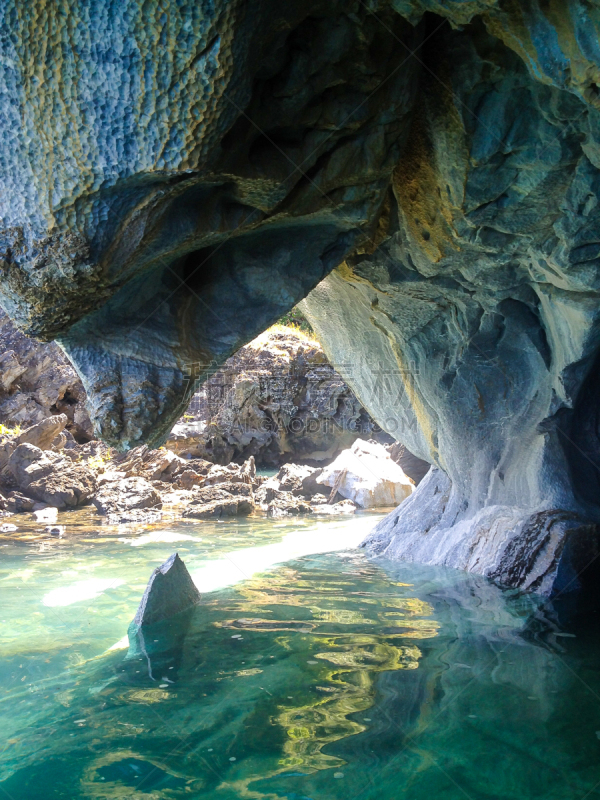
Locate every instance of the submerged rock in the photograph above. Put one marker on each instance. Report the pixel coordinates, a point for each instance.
(47, 515)
(169, 592)
(367, 475)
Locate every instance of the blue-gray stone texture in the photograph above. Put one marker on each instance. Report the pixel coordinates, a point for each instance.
(174, 176)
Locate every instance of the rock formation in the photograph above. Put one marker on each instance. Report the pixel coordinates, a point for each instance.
(170, 591)
(278, 399)
(179, 180)
(36, 382)
(366, 474)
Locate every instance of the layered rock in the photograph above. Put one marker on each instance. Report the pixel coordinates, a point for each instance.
(445, 165)
(37, 381)
(278, 399)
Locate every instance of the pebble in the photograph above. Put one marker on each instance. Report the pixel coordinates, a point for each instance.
(163, 686)
(233, 758)
(55, 530)
(312, 662)
(7, 527)
(338, 774)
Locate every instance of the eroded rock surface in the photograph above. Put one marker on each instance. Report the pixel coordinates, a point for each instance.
(441, 157)
(37, 381)
(278, 399)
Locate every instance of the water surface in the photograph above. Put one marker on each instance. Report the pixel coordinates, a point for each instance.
(304, 675)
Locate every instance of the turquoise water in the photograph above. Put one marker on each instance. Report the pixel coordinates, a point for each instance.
(303, 675)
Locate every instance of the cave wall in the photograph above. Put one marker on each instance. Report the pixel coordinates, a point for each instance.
(480, 311)
(175, 176)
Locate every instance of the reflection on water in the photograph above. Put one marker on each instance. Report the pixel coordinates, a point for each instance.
(351, 640)
(326, 677)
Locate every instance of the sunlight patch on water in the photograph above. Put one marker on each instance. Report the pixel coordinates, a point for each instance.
(159, 537)
(81, 590)
(242, 564)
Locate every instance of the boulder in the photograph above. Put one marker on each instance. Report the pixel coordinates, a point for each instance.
(292, 476)
(126, 495)
(18, 503)
(221, 474)
(367, 475)
(286, 505)
(44, 433)
(188, 479)
(68, 486)
(28, 463)
(223, 491)
(169, 592)
(333, 509)
(217, 509)
(48, 478)
(186, 439)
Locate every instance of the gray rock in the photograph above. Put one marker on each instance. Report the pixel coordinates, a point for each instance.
(67, 487)
(38, 382)
(126, 495)
(28, 463)
(44, 433)
(219, 509)
(169, 592)
(335, 509)
(7, 527)
(48, 478)
(18, 503)
(134, 516)
(278, 399)
(284, 504)
(223, 491)
(546, 552)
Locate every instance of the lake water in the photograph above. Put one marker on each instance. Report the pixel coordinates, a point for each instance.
(304, 674)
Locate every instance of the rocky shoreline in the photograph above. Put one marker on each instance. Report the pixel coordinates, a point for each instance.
(44, 472)
(277, 404)
(277, 399)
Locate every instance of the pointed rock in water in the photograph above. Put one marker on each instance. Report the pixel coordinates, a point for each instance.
(170, 591)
